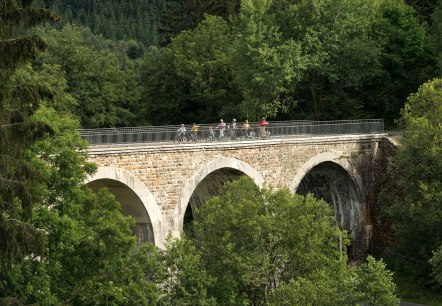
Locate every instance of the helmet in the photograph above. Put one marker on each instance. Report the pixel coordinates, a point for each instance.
(182, 124)
(234, 120)
(263, 118)
(247, 121)
(221, 120)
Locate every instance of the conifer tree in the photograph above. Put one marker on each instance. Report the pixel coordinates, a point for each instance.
(18, 180)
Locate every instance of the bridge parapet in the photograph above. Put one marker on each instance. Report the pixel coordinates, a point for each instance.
(279, 129)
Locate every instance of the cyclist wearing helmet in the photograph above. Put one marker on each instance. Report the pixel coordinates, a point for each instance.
(232, 133)
(182, 130)
(262, 126)
(221, 126)
(181, 133)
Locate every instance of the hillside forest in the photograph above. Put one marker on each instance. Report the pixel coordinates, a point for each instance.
(67, 64)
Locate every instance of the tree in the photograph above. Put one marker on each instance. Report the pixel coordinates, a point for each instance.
(375, 284)
(137, 19)
(163, 93)
(184, 280)
(69, 215)
(100, 78)
(265, 64)
(91, 256)
(436, 262)
(19, 181)
(306, 54)
(406, 59)
(327, 60)
(201, 58)
(277, 248)
(191, 79)
(178, 16)
(369, 284)
(416, 211)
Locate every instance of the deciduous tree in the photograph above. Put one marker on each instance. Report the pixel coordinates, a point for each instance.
(273, 247)
(416, 211)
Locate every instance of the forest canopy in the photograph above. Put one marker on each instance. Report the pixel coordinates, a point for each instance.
(284, 59)
(130, 63)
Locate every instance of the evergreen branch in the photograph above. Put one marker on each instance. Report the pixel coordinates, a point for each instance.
(11, 124)
(28, 17)
(24, 237)
(14, 52)
(10, 181)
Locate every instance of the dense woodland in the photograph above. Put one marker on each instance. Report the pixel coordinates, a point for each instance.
(199, 61)
(126, 63)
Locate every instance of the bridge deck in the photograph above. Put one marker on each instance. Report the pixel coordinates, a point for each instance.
(276, 130)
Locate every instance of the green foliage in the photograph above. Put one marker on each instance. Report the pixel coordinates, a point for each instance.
(135, 19)
(298, 60)
(265, 64)
(406, 60)
(19, 181)
(369, 284)
(191, 79)
(424, 8)
(163, 95)
(375, 284)
(179, 16)
(277, 248)
(184, 280)
(297, 51)
(99, 75)
(91, 255)
(284, 59)
(436, 262)
(416, 211)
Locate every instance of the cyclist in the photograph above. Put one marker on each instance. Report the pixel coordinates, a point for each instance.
(210, 134)
(194, 131)
(221, 126)
(246, 127)
(233, 129)
(233, 125)
(181, 132)
(262, 126)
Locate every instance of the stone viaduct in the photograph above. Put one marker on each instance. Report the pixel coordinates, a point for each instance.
(160, 184)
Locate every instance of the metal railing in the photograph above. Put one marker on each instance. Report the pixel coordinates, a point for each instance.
(277, 129)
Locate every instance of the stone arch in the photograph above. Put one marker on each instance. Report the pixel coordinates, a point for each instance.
(337, 157)
(334, 179)
(191, 185)
(145, 210)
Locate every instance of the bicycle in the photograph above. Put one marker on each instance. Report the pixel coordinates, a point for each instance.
(180, 137)
(210, 135)
(246, 134)
(231, 134)
(193, 136)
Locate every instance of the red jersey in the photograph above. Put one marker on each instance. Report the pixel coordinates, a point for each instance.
(262, 123)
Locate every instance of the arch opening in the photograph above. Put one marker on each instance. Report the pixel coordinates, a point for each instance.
(208, 187)
(332, 183)
(131, 205)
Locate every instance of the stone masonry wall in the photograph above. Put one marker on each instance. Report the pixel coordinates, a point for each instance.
(167, 169)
